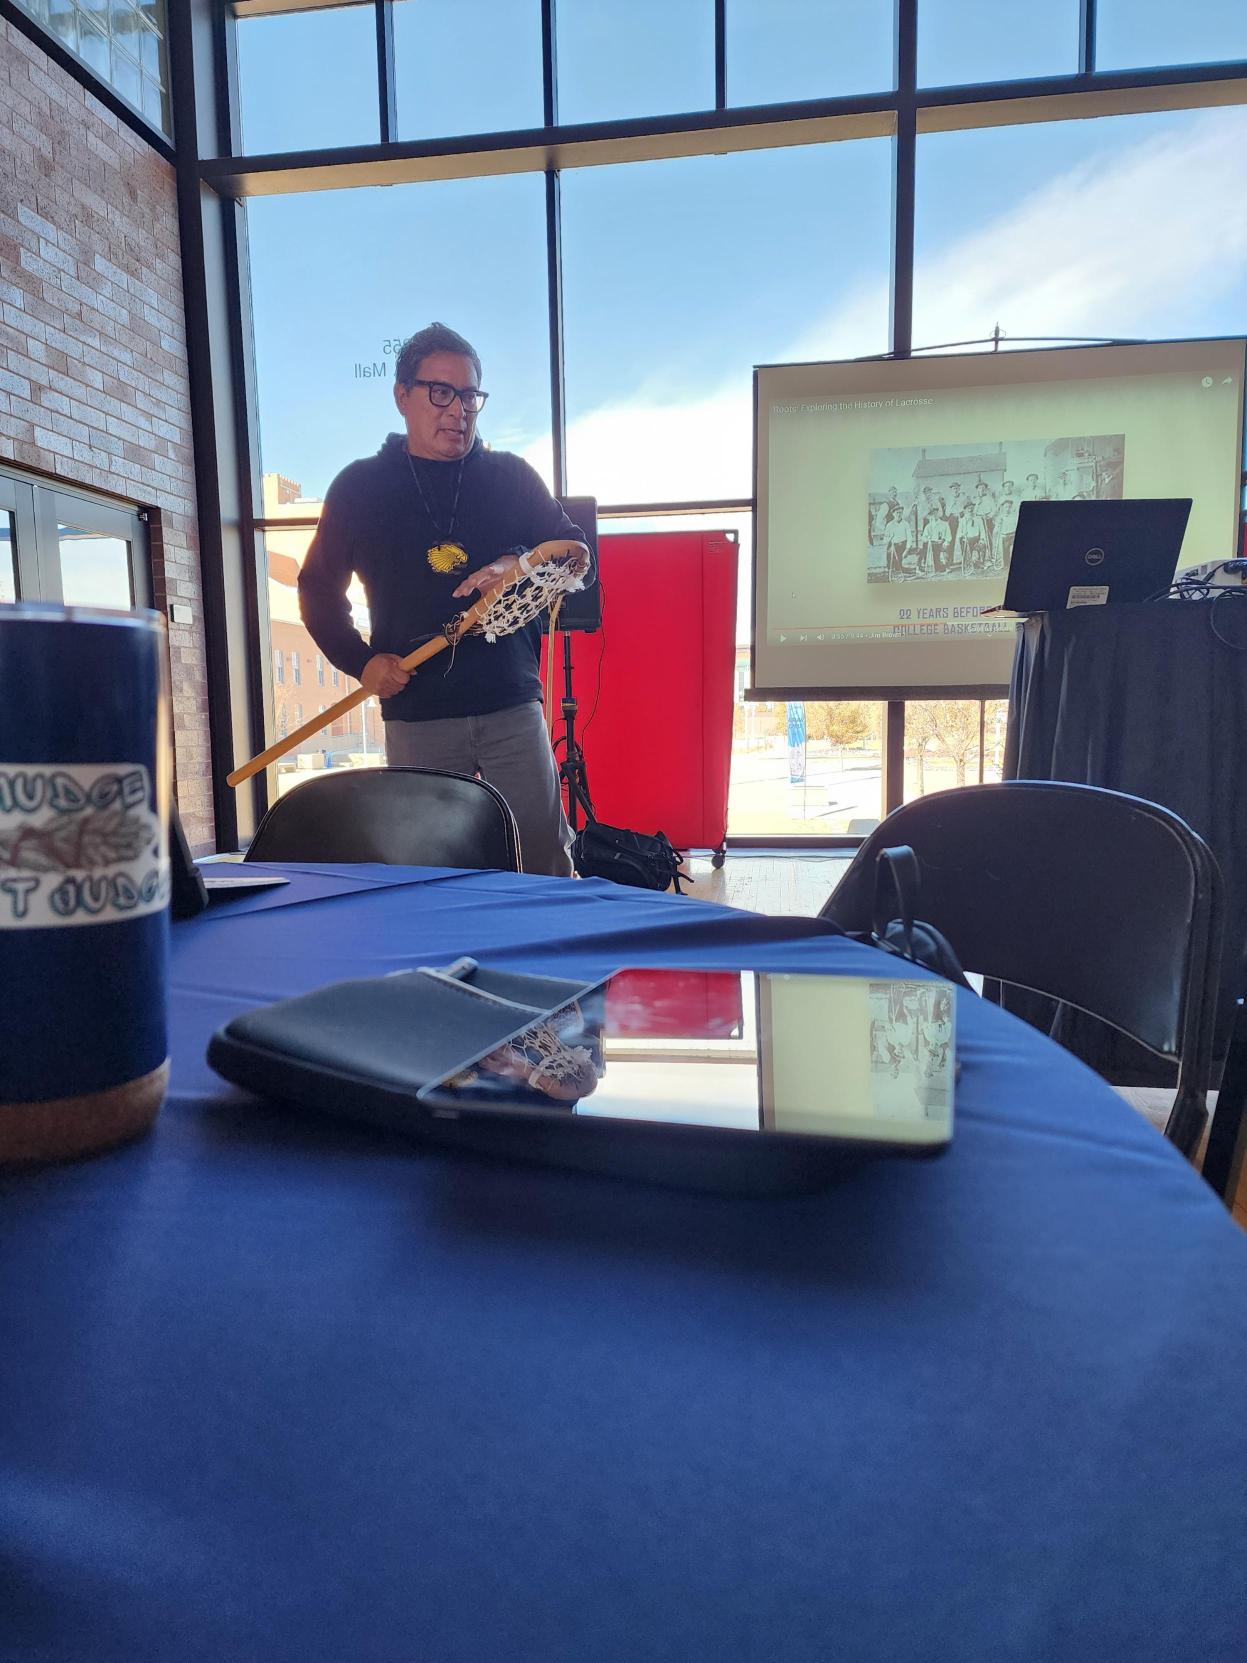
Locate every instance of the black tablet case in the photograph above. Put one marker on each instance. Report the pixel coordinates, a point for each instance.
(361, 1050)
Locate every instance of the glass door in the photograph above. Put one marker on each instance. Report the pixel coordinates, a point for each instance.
(91, 554)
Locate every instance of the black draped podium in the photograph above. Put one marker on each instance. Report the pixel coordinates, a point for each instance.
(1149, 699)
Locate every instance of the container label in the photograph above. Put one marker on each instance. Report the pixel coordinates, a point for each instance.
(79, 844)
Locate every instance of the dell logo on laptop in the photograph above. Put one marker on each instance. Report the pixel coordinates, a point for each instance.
(1094, 557)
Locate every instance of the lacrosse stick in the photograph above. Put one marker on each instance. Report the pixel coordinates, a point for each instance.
(542, 576)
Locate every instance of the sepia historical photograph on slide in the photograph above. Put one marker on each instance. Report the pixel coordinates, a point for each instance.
(950, 511)
(911, 1035)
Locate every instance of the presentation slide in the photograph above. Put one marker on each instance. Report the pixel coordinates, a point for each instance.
(888, 492)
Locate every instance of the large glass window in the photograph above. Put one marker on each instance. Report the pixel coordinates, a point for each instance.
(470, 252)
(353, 740)
(951, 742)
(325, 372)
(1117, 227)
(435, 41)
(680, 275)
(806, 769)
(650, 57)
(308, 79)
(964, 41)
(1136, 33)
(781, 50)
(120, 41)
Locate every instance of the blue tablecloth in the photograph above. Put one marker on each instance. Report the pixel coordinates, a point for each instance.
(278, 1390)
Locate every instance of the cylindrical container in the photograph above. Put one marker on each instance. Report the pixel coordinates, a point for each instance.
(84, 878)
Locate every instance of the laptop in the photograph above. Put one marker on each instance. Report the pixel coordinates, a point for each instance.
(1093, 553)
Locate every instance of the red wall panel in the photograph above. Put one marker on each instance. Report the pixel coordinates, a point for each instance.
(654, 685)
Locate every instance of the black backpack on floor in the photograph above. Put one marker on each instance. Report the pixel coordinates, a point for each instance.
(628, 857)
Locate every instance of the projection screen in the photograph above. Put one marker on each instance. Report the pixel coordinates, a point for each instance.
(885, 492)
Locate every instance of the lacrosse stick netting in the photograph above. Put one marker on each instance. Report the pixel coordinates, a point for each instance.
(541, 583)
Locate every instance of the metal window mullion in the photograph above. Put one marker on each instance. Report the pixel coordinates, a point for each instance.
(904, 162)
(554, 252)
(47, 544)
(532, 150)
(27, 566)
(1086, 37)
(549, 64)
(901, 317)
(387, 92)
(228, 81)
(893, 755)
(554, 282)
(246, 406)
(720, 54)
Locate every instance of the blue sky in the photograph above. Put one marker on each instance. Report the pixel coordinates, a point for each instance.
(680, 275)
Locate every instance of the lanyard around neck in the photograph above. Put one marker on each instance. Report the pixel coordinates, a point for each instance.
(454, 507)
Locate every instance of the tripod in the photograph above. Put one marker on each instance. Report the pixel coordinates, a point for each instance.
(572, 768)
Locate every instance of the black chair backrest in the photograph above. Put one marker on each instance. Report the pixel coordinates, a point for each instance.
(396, 816)
(1103, 901)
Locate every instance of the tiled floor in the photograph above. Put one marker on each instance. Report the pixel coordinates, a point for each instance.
(774, 883)
(800, 883)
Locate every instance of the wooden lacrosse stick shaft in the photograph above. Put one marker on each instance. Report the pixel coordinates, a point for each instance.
(535, 557)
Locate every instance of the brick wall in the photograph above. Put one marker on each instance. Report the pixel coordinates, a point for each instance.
(93, 378)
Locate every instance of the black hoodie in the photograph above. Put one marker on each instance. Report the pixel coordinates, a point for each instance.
(375, 523)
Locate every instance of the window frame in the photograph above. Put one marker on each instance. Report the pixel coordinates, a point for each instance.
(66, 58)
(41, 506)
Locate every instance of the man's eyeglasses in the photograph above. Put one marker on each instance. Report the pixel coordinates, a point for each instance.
(442, 394)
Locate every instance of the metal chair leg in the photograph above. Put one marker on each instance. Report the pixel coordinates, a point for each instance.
(1187, 1120)
(1223, 1158)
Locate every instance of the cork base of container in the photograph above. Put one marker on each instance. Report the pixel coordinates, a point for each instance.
(62, 1127)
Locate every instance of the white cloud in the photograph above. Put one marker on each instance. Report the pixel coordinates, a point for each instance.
(1156, 232)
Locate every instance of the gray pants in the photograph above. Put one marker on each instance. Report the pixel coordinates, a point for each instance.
(510, 749)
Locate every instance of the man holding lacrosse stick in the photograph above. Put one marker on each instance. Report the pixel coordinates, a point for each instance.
(424, 524)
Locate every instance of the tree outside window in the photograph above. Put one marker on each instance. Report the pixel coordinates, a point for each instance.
(939, 732)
